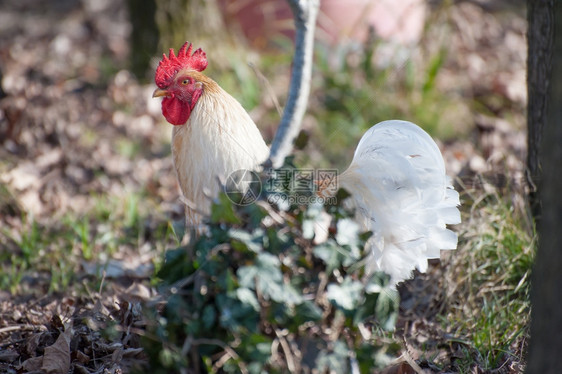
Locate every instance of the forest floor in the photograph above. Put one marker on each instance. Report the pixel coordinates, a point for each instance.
(89, 201)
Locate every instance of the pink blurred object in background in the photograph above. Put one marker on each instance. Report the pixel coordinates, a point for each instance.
(400, 22)
(395, 21)
(259, 20)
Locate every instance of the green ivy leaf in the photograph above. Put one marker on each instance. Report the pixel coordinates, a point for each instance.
(329, 252)
(255, 349)
(222, 211)
(235, 315)
(175, 266)
(288, 294)
(312, 215)
(267, 261)
(348, 232)
(247, 296)
(209, 316)
(252, 242)
(308, 229)
(386, 310)
(247, 276)
(346, 296)
(335, 361)
(267, 275)
(307, 311)
(226, 281)
(335, 255)
(277, 241)
(178, 227)
(380, 300)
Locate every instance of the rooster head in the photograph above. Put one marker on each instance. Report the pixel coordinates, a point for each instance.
(177, 81)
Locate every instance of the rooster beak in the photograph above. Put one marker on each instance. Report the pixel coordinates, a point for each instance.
(159, 93)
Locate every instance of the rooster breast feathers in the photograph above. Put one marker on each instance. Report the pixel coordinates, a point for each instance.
(218, 139)
(401, 193)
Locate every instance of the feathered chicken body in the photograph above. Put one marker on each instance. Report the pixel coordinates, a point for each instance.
(397, 177)
(213, 134)
(401, 193)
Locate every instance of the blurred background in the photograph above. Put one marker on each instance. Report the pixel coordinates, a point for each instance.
(77, 118)
(86, 180)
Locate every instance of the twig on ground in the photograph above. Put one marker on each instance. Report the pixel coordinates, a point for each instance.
(287, 350)
(408, 358)
(229, 353)
(22, 327)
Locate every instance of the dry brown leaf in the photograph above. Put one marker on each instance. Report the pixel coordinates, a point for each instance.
(80, 357)
(401, 368)
(8, 355)
(57, 356)
(32, 364)
(138, 292)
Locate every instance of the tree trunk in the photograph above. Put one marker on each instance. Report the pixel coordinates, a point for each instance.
(539, 64)
(196, 21)
(144, 36)
(546, 296)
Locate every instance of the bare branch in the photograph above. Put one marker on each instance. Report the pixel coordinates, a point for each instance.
(305, 13)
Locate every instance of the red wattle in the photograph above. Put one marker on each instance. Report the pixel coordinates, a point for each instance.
(176, 111)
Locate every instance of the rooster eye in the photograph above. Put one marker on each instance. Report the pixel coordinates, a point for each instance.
(185, 81)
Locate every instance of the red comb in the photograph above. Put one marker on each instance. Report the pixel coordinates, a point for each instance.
(170, 65)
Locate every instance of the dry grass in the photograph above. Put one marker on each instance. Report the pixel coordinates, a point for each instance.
(488, 282)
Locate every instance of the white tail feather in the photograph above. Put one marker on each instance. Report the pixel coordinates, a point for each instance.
(401, 192)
